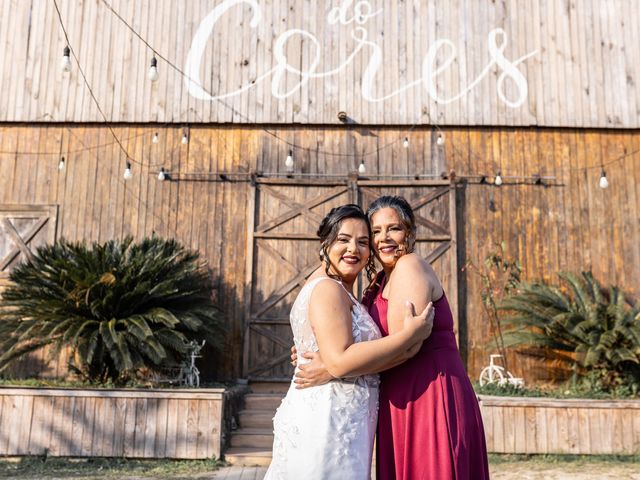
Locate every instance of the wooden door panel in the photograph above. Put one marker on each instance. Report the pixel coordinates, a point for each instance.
(285, 253)
(285, 247)
(23, 228)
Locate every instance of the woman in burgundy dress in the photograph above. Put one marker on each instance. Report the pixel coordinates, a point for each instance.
(429, 423)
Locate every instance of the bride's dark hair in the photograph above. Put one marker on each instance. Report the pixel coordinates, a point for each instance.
(328, 232)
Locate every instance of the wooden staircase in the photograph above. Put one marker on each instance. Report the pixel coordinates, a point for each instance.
(252, 441)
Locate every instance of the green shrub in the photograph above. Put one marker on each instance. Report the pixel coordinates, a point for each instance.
(595, 330)
(119, 306)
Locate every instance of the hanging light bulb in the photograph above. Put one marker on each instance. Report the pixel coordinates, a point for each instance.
(162, 175)
(498, 180)
(362, 169)
(289, 161)
(440, 139)
(65, 64)
(405, 144)
(155, 139)
(127, 172)
(603, 183)
(185, 138)
(153, 70)
(61, 164)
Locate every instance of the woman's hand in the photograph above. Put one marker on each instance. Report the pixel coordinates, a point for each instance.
(294, 356)
(313, 373)
(420, 325)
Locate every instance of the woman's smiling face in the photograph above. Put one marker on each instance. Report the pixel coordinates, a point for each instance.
(389, 236)
(350, 251)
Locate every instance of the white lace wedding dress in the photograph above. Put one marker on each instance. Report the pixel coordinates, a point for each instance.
(326, 432)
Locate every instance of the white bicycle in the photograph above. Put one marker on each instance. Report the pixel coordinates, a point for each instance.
(498, 374)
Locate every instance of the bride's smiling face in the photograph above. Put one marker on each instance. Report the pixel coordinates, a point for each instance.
(350, 251)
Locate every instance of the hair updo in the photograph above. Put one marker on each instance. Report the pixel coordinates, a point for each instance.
(405, 212)
(328, 232)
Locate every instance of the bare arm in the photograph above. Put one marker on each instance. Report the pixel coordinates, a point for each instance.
(315, 373)
(330, 317)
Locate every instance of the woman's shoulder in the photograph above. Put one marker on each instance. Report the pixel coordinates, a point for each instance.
(326, 289)
(411, 262)
(412, 270)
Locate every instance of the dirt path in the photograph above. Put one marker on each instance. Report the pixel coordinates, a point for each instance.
(565, 471)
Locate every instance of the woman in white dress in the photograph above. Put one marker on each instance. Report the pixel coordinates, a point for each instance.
(327, 432)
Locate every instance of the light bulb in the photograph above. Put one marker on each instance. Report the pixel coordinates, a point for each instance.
(440, 139)
(185, 138)
(362, 169)
(61, 164)
(604, 183)
(65, 64)
(155, 139)
(153, 70)
(161, 175)
(405, 144)
(289, 161)
(127, 172)
(498, 180)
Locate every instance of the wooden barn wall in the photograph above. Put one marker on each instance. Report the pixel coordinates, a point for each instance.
(582, 72)
(571, 225)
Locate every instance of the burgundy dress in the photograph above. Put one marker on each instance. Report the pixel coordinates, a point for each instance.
(429, 423)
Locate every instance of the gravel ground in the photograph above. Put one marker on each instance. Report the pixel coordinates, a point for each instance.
(565, 471)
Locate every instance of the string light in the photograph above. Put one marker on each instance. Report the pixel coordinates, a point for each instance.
(162, 176)
(127, 172)
(289, 161)
(185, 138)
(155, 139)
(65, 64)
(603, 183)
(362, 169)
(153, 70)
(61, 164)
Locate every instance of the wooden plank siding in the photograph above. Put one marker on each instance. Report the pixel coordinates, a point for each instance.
(524, 425)
(111, 423)
(570, 224)
(584, 73)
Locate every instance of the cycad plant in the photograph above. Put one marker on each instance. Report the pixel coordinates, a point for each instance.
(589, 327)
(119, 306)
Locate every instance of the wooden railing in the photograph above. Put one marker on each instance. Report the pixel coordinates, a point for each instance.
(111, 423)
(557, 426)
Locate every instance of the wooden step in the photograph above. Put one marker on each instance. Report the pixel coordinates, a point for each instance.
(253, 437)
(263, 401)
(248, 457)
(256, 418)
(269, 387)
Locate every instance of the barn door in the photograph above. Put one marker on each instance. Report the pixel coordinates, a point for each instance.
(23, 228)
(283, 253)
(433, 203)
